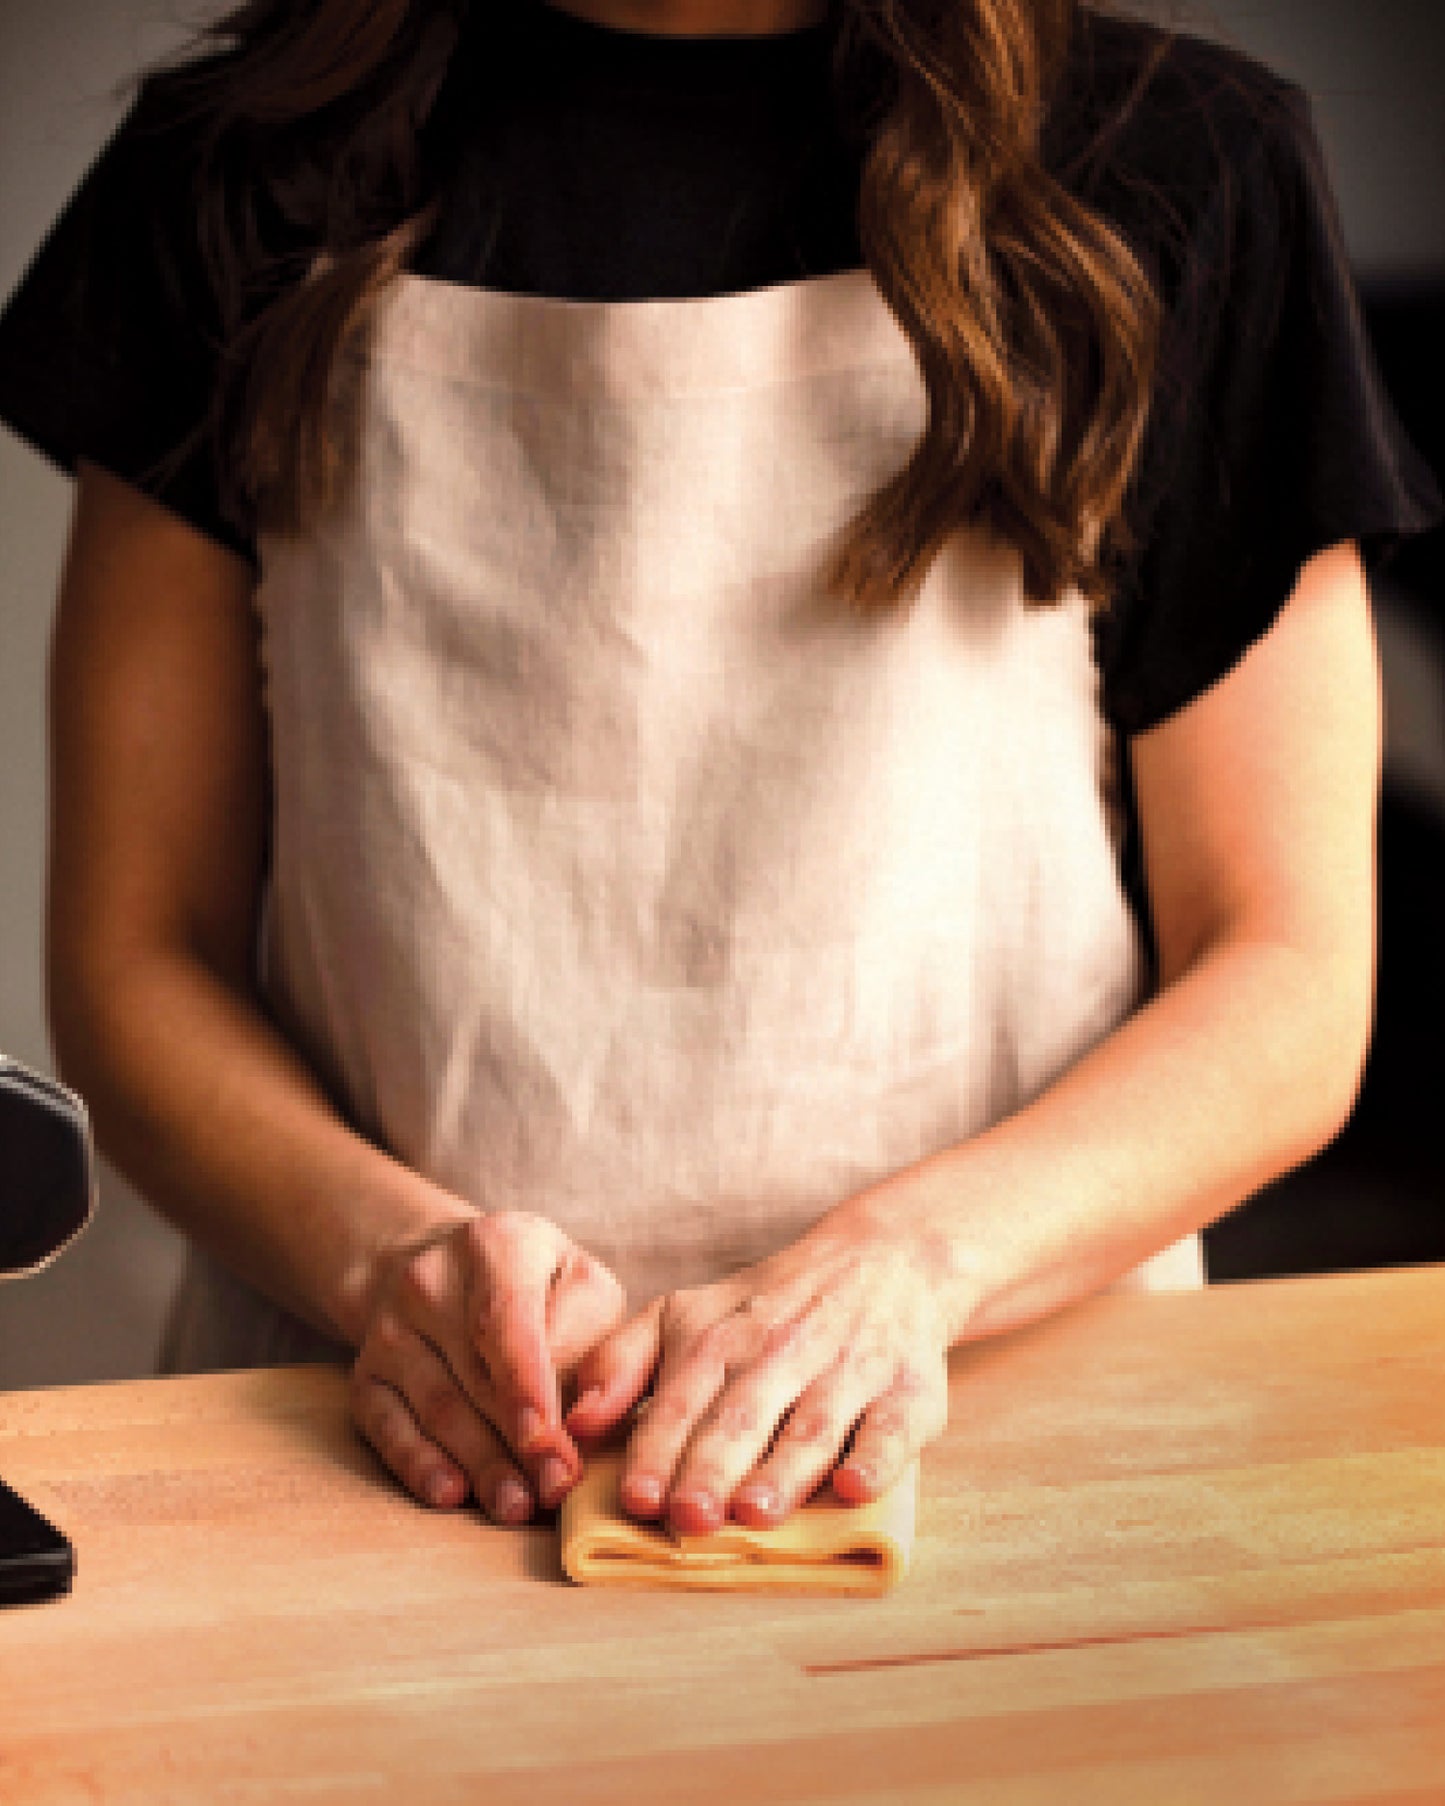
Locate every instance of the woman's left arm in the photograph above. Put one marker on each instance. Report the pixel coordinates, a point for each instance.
(1257, 805)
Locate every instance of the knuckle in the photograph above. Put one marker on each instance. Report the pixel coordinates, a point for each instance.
(809, 1424)
(786, 1338)
(726, 1345)
(439, 1411)
(421, 1282)
(762, 1314)
(736, 1417)
(680, 1320)
(889, 1418)
(388, 1335)
(715, 1342)
(669, 1409)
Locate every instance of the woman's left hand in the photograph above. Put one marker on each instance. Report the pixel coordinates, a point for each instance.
(840, 1335)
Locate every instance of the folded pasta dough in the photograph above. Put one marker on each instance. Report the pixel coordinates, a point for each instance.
(822, 1547)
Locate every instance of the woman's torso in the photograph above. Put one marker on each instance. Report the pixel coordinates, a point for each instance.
(618, 874)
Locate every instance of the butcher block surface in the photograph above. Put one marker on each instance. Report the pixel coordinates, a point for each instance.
(1172, 1548)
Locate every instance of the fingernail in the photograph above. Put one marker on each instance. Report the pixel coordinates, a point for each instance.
(860, 1476)
(701, 1507)
(644, 1492)
(531, 1427)
(512, 1502)
(554, 1480)
(758, 1497)
(588, 1402)
(439, 1486)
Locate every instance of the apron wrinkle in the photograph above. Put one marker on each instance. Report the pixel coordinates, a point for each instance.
(621, 874)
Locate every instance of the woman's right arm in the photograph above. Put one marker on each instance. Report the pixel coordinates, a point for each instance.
(160, 807)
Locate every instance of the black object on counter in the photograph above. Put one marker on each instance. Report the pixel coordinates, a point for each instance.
(47, 1185)
(47, 1196)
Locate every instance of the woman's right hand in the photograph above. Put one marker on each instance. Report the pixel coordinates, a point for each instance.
(468, 1336)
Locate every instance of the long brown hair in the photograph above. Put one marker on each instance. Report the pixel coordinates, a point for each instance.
(1034, 326)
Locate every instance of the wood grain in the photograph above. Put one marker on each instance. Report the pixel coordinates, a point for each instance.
(1172, 1549)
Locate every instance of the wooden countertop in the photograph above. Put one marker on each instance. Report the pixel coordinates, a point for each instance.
(1173, 1549)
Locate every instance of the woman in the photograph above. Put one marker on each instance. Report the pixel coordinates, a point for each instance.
(762, 608)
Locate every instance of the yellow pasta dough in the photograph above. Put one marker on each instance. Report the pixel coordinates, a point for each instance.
(822, 1547)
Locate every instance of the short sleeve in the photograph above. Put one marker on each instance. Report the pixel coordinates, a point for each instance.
(108, 343)
(1272, 435)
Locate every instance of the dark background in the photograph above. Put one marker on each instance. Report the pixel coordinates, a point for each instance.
(1375, 72)
(1376, 1196)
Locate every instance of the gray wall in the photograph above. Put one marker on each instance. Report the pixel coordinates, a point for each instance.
(94, 1314)
(1376, 70)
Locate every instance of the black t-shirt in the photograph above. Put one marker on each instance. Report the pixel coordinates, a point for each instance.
(588, 162)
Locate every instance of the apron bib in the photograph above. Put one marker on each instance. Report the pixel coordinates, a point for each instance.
(619, 873)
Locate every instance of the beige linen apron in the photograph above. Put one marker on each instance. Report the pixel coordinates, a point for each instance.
(619, 873)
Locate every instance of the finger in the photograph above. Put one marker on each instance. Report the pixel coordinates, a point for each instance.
(735, 1432)
(807, 1446)
(421, 1349)
(450, 1419)
(894, 1428)
(508, 1289)
(586, 1303)
(689, 1378)
(615, 1372)
(429, 1307)
(385, 1420)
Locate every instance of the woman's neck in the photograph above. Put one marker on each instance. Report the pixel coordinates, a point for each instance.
(699, 18)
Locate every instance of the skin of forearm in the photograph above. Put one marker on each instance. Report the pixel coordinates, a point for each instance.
(1169, 1121)
(1241, 1068)
(207, 1109)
